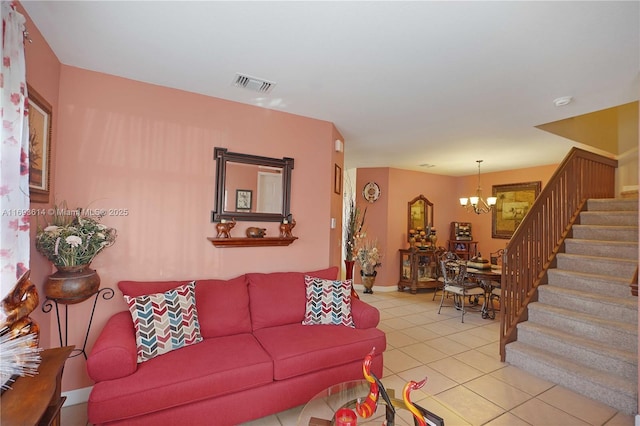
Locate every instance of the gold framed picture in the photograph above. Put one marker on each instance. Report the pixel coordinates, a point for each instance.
(39, 147)
(513, 202)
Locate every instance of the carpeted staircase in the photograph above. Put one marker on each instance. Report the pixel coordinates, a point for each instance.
(583, 331)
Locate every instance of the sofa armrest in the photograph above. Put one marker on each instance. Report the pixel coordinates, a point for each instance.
(364, 315)
(114, 353)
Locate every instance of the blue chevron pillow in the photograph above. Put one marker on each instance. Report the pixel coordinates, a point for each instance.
(328, 302)
(165, 321)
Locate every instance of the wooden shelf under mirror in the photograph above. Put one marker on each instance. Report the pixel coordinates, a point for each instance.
(251, 242)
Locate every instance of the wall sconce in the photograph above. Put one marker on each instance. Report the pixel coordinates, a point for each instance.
(339, 146)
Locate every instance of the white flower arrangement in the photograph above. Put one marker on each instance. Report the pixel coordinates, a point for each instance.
(74, 238)
(368, 257)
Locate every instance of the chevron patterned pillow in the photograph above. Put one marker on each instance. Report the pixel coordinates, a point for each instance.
(165, 321)
(328, 302)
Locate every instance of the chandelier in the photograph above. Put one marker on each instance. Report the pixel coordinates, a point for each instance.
(476, 203)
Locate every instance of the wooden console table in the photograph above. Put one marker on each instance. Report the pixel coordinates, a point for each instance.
(418, 269)
(37, 400)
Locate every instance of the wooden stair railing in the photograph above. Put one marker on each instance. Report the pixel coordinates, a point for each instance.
(535, 243)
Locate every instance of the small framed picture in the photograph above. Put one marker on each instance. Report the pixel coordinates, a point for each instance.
(243, 199)
(39, 147)
(337, 180)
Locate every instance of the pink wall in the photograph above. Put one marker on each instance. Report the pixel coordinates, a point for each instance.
(386, 219)
(43, 74)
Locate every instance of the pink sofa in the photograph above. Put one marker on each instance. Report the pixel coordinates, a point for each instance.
(256, 357)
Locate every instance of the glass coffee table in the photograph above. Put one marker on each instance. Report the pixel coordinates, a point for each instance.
(321, 409)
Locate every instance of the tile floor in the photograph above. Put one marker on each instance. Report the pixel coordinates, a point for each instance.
(467, 384)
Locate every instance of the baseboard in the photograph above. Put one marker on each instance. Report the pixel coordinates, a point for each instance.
(382, 289)
(77, 396)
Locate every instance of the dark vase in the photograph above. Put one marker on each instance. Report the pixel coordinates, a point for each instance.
(348, 264)
(368, 280)
(72, 284)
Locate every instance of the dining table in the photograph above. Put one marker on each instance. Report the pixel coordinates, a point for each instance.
(489, 279)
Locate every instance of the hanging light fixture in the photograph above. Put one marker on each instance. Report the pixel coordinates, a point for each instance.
(476, 203)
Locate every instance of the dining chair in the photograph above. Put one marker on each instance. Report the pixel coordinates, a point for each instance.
(454, 273)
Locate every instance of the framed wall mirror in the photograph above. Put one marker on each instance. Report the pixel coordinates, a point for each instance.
(420, 214)
(263, 183)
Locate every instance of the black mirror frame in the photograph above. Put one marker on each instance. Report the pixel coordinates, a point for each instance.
(222, 156)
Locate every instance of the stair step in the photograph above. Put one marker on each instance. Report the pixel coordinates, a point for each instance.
(594, 283)
(624, 309)
(605, 232)
(618, 334)
(622, 268)
(620, 218)
(617, 392)
(620, 249)
(611, 204)
(582, 350)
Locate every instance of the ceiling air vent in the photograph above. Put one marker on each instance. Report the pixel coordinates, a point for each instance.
(253, 83)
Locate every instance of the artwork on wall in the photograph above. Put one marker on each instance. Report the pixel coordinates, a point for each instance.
(243, 199)
(39, 147)
(513, 202)
(337, 180)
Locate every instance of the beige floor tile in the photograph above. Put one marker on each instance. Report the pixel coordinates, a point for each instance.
(499, 393)
(584, 408)
(539, 413)
(450, 418)
(470, 338)
(448, 346)
(481, 361)
(456, 370)
(398, 339)
(396, 361)
(507, 419)
(419, 319)
(621, 420)
(522, 380)
(421, 334)
(470, 406)
(424, 353)
(397, 323)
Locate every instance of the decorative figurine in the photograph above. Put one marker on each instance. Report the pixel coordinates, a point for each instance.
(410, 386)
(370, 405)
(254, 232)
(224, 228)
(286, 227)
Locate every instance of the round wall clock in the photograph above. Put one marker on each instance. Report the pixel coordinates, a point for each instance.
(371, 192)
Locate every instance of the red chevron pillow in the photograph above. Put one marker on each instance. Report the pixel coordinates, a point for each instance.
(328, 302)
(165, 321)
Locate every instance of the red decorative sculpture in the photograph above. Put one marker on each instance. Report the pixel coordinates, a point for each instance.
(370, 405)
(410, 405)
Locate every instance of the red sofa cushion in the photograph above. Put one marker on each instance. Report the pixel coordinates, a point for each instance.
(222, 305)
(184, 376)
(114, 353)
(299, 349)
(279, 298)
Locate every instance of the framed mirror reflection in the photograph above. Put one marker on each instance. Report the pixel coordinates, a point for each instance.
(251, 187)
(420, 214)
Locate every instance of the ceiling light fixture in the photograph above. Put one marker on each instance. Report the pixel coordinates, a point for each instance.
(565, 100)
(476, 203)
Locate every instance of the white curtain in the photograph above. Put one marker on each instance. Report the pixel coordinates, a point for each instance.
(14, 153)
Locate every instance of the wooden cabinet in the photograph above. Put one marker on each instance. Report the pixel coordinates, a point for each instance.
(464, 249)
(418, 269)
(37, 400)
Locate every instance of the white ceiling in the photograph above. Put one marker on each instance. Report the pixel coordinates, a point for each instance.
(406, 83)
